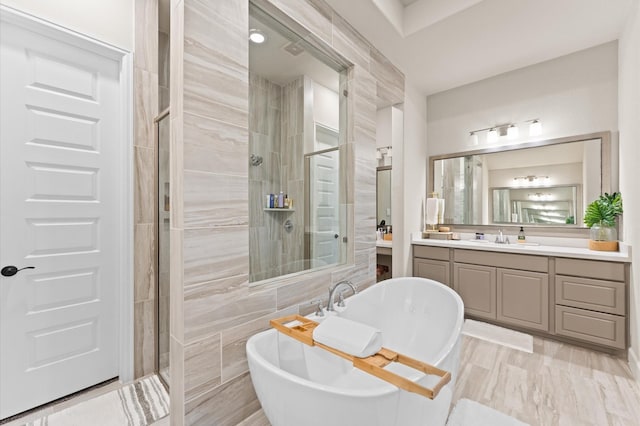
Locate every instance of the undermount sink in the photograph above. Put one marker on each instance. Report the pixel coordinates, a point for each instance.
(490, 243)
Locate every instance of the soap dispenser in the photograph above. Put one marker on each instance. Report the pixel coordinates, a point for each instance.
(521, 237)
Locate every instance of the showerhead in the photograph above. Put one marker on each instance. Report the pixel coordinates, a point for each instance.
(256, 160)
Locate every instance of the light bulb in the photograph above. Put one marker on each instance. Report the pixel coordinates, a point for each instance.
(257, 36)
(512, 131)
(378, 154)
(535, 128)
(492, 136)
(473, 139)
(389, 152)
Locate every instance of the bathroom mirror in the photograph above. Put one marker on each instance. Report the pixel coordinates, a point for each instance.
(383, 195)
(296, 183)
(515, 184)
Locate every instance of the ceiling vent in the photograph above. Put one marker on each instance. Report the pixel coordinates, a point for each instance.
(293, 48)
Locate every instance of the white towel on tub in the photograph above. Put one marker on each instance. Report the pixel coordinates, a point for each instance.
(354, 338)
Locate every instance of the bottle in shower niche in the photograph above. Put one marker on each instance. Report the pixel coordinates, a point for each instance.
(281, 200)
(521, 236)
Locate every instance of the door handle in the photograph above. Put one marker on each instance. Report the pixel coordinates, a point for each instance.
(336, 236)
(9, 271)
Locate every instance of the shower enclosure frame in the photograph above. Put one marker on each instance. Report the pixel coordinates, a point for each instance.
(157, 251)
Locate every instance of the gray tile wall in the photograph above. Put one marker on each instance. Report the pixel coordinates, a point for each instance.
(265, 131)
(145, 110)
(213, 308)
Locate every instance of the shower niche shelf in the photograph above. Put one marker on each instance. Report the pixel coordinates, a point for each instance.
(275, 209)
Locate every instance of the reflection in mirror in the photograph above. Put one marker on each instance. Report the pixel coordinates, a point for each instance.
(383, 195)
(547, 184)
(295, 218)
(537, 205)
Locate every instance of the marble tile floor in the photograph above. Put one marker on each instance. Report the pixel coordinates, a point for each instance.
(557, 384)
(78, 398)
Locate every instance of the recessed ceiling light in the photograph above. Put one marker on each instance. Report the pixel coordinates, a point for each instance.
(257, 36)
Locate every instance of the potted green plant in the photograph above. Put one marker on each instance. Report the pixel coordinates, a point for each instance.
(601, 216)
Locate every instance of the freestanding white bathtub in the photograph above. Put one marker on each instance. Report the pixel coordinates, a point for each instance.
(299, 385)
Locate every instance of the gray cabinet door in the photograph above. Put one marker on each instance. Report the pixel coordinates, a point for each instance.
(477, 286)
(437, 270)
(523, 298)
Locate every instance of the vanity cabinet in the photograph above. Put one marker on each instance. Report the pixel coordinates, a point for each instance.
(432, 263)
(573, 299)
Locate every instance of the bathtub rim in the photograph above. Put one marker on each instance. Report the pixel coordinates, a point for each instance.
(384, 388)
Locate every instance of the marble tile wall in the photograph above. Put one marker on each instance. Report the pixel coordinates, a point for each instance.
(294, 131)
(265, 228)
(145, 110)
(163, 71)
(213, 308)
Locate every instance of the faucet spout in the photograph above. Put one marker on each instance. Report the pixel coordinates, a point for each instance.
(500, 239)
(333, 289)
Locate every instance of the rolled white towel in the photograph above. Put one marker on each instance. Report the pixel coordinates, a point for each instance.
(348, 336)
(432, 211)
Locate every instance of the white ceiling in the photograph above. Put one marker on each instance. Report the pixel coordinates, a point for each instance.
(442, 44)
(270, 61)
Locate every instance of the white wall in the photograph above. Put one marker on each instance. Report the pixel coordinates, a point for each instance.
(326, 106)
(383, 127)
(409, 178)
(110, 21)
(629, 123)
(572, 95)
(384, 132)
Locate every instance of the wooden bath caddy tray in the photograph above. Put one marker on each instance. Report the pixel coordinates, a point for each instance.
(374, 364)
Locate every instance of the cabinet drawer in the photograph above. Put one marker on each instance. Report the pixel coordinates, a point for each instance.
(524, 262)
(596, 295)
(595, 327)
(437, 270)
(438, 253)
(590, 269)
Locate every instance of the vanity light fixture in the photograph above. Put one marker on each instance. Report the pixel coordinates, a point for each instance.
(492, 135)
(384, 151)
(257, 36)
(511, 130)
(539, 196)
(530, 179)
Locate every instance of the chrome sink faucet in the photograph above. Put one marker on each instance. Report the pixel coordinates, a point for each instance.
(333, 289)
(501, 239)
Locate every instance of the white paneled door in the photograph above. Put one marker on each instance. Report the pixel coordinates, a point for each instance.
(59, 205)
(324, 209)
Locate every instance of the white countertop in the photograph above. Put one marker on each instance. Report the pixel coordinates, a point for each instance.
(383, 243)
(548, 246)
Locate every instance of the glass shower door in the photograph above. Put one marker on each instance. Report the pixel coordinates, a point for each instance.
(164, 205)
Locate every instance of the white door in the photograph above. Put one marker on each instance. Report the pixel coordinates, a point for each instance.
(324, 208)
(59, 206)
